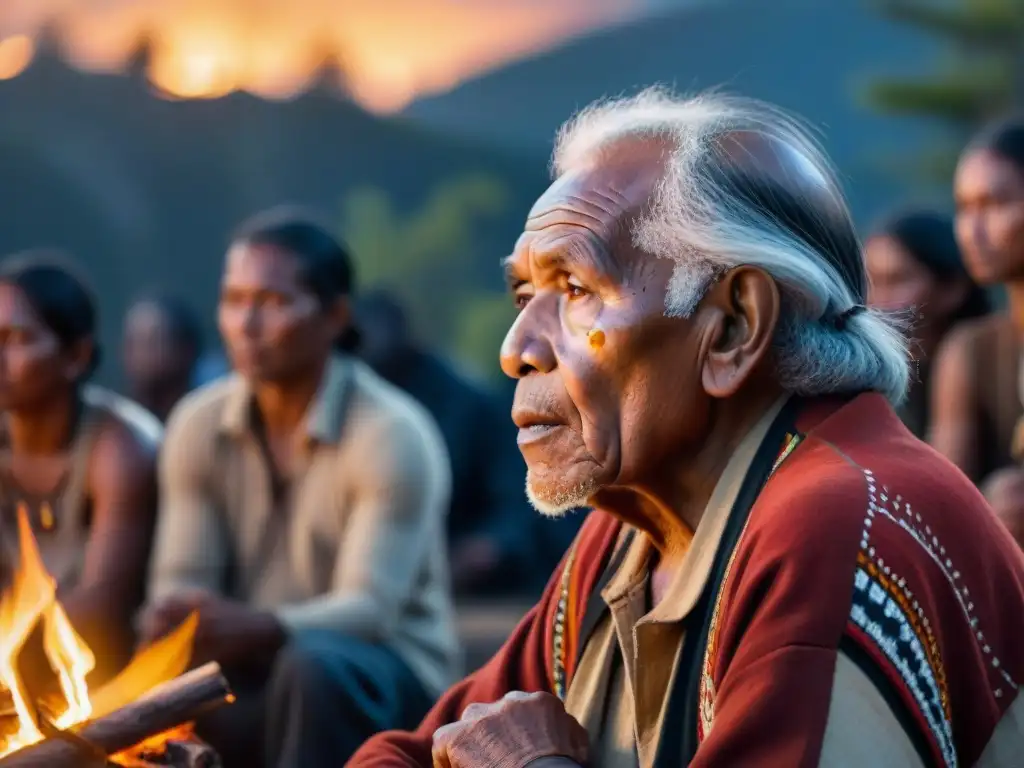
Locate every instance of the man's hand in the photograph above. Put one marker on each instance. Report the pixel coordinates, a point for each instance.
(228, 631)
(514, 732)
(161, 617)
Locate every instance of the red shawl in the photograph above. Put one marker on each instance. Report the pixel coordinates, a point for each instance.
(865, 542)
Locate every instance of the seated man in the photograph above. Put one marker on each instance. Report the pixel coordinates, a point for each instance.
(302, 513)
(776, 573)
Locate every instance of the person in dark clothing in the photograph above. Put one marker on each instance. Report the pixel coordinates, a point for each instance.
(915, 267)
(494, 547)
(160, 349)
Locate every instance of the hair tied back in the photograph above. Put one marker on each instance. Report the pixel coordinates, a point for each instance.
(843, 318)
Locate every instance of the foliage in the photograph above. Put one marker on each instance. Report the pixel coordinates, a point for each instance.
(430, 258)
(488, 317)
(982, 78)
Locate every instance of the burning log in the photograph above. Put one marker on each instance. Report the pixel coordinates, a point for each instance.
(167, 706)
(82, 727)
(181, 754)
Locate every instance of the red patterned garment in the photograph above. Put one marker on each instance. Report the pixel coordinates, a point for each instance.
(864, 551)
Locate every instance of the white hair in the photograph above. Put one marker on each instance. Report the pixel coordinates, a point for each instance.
(706, 224)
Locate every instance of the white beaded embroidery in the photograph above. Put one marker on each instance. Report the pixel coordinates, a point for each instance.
(892, 632)
(931, 545)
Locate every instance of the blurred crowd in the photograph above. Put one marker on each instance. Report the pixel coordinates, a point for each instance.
(332, 479)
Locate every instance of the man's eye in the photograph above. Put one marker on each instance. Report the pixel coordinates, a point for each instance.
(520, 298)
(574, 288)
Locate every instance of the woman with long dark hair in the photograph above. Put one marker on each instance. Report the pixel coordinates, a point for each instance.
(976, 403)
(78, 461)
(915, 268)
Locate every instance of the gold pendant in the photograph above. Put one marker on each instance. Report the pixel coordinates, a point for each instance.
(46, 517)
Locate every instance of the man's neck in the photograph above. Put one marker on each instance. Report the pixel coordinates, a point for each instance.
(671, 504)
(42, 431)
(283, 405)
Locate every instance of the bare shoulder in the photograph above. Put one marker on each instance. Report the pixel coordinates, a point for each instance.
(127, 437)
(972, 339)
(119, 410)
(122, 456)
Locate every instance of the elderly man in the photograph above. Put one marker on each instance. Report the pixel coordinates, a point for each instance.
(776, 573)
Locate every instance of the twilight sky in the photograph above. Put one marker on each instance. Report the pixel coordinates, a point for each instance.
(392, 50)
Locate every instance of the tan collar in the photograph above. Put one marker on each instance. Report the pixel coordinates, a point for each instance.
(325, 416)
(688, 584)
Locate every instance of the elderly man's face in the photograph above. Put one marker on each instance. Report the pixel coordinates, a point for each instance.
(608, 385)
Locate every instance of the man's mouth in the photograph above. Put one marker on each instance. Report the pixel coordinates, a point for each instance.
(536, 432)
(535, 426)
(247, 353)
(525, 419)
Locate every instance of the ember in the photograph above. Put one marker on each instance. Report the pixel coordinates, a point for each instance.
(31, 600)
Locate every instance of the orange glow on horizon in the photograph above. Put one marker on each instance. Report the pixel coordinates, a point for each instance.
(276, 48)
(16, 54)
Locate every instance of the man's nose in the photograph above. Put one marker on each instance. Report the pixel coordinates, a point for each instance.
(979, 232)
(525, 349)
(249, 320)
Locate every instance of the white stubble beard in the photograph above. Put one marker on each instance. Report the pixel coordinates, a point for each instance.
(556, 502)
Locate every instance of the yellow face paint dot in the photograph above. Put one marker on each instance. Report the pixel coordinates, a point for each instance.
(596, 338)
(47, 517)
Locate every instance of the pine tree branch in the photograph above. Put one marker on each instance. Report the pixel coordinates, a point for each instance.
(994, 23)
(956, 101)
(931, 166)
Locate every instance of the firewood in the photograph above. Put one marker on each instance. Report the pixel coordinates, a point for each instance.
(174, 703)
(180, 754)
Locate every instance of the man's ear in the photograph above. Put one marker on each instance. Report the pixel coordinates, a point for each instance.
(742, 309)
(82, 358)
(340, 315)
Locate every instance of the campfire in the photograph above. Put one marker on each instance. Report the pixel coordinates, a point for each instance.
(139, 718)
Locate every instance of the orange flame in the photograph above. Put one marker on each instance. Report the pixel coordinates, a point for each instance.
(31, 599)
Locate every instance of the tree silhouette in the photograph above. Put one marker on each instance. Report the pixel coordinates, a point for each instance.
(428, 257)
(982, 77)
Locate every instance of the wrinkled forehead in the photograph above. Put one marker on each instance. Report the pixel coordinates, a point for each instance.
(592, 205)
(620, 179)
